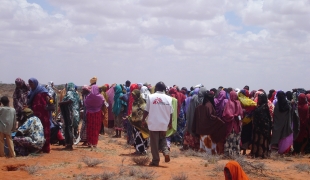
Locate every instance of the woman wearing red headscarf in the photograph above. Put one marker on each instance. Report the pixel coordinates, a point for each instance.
(178, 136)
(303, 111)
(232, 115)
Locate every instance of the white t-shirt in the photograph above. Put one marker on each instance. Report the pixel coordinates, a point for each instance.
(159, 106)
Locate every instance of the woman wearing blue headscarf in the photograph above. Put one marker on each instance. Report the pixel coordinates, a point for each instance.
(118, 110)
(38, 99)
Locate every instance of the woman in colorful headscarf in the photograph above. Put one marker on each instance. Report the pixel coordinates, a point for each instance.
(232, 116)
(303, 111)
(248, 106)
(140, 130)
(282, 132)
(110, 94)
(118, 110)
(70, 107)
(262, 125)
(233, 171)
(270, 104)
(180, 97)
(105, 111)
(129, 128)
(220, 102)
(37, 100)
(20, 97)
(191, 140)
(93, 103)
(29, 137)
(85, 91)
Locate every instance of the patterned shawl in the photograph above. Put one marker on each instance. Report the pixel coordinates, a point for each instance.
(20, 95)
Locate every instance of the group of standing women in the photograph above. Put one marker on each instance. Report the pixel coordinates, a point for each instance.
(222, 121)
(251, 121)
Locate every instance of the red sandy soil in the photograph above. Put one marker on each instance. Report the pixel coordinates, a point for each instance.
(61, 164)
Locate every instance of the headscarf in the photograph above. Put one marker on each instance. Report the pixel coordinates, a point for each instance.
(94, 100)
(144, 92)
(303, 109)
(27, 111)
(308, 99)
(219, 102)
(51, 91)
(117, 107)
(179, 96)
(236, 171)
(289, 95)
(104, 92)
(232, 109)
(20, 95)
(71, 93)
(108, 87)
(281, 100)
(38, 89)
(252, 94)
(86, 88)
(245, 101)
(270, 104)
(273, 96)
(111, 94)
(132, 87)
(188, 99)
(93, 80)
(195, 101)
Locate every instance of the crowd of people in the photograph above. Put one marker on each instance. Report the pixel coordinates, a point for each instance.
(220, 120)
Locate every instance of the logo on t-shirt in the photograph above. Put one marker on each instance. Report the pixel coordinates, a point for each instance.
(159, 101)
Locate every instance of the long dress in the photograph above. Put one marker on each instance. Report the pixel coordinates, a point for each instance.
(232, 115)
(140, 131)
(94, 102)
(38, 106)
(261, 132)
(282, 132)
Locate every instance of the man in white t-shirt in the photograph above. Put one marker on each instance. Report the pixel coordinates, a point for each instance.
(159, 111)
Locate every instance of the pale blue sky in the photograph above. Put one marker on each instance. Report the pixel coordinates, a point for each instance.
(264, 44)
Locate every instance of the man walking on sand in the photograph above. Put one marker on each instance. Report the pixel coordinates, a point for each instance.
(159, 111)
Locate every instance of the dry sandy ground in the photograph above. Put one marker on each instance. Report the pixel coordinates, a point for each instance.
(116, 156)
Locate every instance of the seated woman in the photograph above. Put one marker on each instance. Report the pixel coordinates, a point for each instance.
(233, 171)
(29, 137)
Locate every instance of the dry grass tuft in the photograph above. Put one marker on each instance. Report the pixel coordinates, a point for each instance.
(81, 176)
(181, 176)
(91, 162)
(147, 174)
(174, 153)
(133, 172)
(122, 170)
(141, 160)
(257, 168)
(32, 169)
(302, 167)
(193, 153)
(212, 159)
(219, 167)
(107, 175)
(276, 156)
